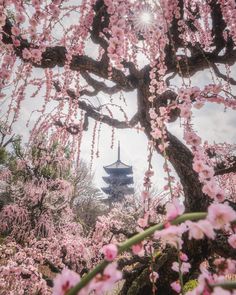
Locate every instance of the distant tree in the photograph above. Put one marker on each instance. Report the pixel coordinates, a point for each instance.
(39, 217)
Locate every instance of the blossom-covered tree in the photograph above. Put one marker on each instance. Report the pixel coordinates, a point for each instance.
(138, 48)
(44, 228)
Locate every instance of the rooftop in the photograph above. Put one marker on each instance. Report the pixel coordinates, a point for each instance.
(118, 166)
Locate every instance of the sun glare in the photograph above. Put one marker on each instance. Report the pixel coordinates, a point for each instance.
(146, 17)
(143, 19)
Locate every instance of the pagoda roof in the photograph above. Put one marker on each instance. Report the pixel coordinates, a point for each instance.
(118, 166)
(118, 179)
(123, 190)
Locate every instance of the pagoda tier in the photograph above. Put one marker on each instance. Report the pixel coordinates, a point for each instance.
(118, 168)
(118, 191)
(119, 178)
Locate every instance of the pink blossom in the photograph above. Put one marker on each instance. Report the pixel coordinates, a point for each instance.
(149, 173)
(183, 257)
(197, 230)
(153, 276)
(112, 48)
(20, 18)
(110, 252)
(183, 93)
(163, 111)
(206, 172)
(119, 33)
(143, 222)
(185, 111)
(16, 42)
(171, 235)
(220, 195)
(105, 282)
(54, 10)
(225, 266)
(152, 113)
(8, 59)
(5, 74)
(198, 165)
(232, 241)
(176, 286)
(137, 249)
(36, 3)
(36, 54)
(210, 188)
(15, 31)
(204, 266)
(174, 209)
(151, 98)
(220, 214)
(184, 268)
(65, 281)
(162, 147)
(192, 138)
(26, 53)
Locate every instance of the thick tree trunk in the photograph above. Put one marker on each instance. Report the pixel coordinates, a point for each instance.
(181, 158)
(178, 154)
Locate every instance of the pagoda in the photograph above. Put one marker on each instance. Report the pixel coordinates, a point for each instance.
(119, 179)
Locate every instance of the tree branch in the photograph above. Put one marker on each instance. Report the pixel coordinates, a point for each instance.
(56, 56)
(91, 113)
(221, 75)
(100, 21)
(99, 86)
(222, 168)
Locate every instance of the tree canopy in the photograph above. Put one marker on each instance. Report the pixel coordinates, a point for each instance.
(86, 59)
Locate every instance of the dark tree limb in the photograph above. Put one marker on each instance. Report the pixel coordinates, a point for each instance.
(218, 26)
(56, 56)
(91, 113)
(225, 168)
(222, 171)
(94, 113)
(100, 22)
(99, 86)
(221, 75)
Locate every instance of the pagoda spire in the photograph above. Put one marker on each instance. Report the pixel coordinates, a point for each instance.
(119, 151)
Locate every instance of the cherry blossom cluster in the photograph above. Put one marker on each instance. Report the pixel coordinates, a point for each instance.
(218, 217)
(19, 272)
(201, 162)
(117, 44)
(99, 285)
(221, 157)
(229, 13)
